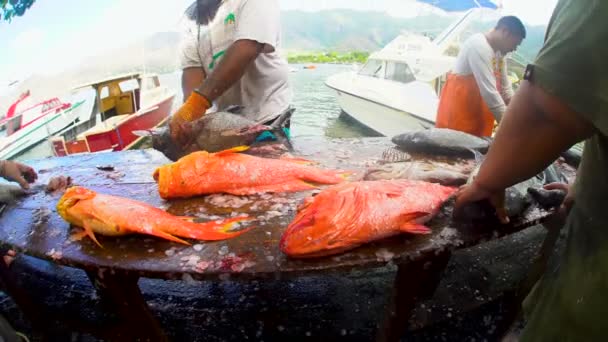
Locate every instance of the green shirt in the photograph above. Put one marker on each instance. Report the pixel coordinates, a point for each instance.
(573, 65)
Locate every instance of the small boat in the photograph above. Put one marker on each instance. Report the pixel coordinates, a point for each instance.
(124, 104)
(310, 67)
(26, 127)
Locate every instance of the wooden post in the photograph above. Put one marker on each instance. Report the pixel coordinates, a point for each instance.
(413, 281)
(120, 294)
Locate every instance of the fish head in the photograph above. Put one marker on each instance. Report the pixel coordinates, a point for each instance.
(72, 196)
(162, 141)
(312, 233)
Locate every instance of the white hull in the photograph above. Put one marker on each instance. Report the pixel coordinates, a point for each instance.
(27, 137)
(386, 107)
(379, 118)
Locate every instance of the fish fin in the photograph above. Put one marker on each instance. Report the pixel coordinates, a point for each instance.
(232, 150)
(299, 160)
(158, 233)
(78, 235)
(410, 226)
(88, 230)
(415, 228)
(214, 231)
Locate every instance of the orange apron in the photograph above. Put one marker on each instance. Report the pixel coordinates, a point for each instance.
(462, 108)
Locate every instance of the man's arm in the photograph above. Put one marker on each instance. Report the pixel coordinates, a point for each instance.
(537, 127)
(231, 68)
(192, 78)
(507, 88)
(486, 81)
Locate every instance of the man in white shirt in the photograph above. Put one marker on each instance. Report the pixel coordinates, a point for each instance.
(230, 57)
(478, 90)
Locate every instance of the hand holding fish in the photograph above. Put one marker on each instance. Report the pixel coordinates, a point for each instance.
(194, 108)
(476, 192)
(566, 205)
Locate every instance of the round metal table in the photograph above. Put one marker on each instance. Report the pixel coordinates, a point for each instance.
(32, 226)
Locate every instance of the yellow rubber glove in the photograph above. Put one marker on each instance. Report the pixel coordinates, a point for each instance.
(194, 108)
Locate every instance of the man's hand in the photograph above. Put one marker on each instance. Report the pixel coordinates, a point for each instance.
(17, 172)
(566, 205)
(194, 108)
(474, 193)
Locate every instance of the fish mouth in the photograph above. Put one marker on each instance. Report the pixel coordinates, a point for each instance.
(71, 197)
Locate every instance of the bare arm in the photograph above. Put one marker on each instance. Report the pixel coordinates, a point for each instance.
(231, 68)
(536, 128)
(192, 78)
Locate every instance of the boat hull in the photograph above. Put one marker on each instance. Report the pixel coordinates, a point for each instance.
(385, 106)
(118, 137)
(31, 135)
(380, 118)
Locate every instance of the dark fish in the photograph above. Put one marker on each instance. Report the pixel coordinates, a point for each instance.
(517, 197)
(216, 132)
(572, 157)
(440, 141)
(548, 198)
(419, 170)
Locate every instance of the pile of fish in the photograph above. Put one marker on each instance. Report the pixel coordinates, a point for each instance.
(399, 195)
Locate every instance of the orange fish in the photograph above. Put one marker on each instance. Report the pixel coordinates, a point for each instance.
(116, 216)
(348, 215)
(234, 173)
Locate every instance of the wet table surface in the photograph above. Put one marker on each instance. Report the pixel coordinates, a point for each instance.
(32, 226)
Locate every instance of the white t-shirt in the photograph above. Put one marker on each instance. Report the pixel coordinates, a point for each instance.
(478, 58)
(264, 89)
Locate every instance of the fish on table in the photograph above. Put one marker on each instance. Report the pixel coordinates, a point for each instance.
(422, 170)
(235, 173)
(441, 141)
(117, 216)
(348, 215)
(216, 132)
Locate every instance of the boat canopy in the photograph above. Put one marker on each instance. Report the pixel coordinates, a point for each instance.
(461, 5)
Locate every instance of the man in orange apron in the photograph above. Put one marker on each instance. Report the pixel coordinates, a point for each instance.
(477, 90)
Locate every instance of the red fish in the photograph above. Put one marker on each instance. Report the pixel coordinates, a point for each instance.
(235, 173)
(117, 216)
(348, 215)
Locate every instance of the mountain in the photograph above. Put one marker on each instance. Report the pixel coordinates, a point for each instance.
(346, 30)
(330, 30)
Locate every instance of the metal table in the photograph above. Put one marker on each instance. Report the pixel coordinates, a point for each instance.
(33, 227)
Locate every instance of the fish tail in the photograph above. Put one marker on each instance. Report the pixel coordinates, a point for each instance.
(213, 230)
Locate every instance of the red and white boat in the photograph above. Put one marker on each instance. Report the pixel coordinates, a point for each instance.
(28, 124)
(124, 104)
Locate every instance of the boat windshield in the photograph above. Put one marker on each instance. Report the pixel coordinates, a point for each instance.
(399, 72)
(373, 68)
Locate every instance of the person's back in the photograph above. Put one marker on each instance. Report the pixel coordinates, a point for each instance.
(263, 89)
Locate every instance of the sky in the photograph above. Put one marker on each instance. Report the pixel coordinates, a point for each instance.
(56, 34)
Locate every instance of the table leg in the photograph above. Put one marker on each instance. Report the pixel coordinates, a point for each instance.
(34, 313)
(120, 293)
(413, 281)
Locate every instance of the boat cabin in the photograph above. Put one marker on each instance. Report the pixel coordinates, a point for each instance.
(117, 100)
